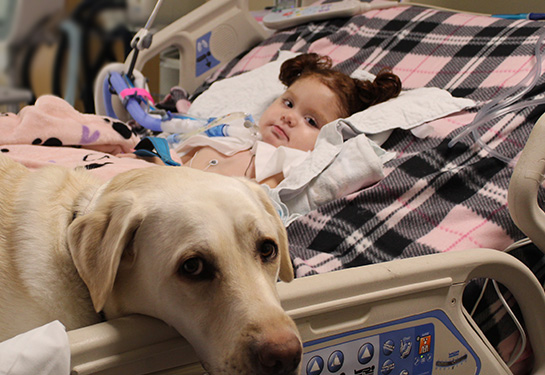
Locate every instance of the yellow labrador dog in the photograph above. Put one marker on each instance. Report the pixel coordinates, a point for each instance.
(200, 251)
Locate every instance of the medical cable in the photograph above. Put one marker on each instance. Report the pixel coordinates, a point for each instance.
(504, 104)
(523, 337)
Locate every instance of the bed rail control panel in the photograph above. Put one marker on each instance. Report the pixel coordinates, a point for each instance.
(420, 345)
(396, 318)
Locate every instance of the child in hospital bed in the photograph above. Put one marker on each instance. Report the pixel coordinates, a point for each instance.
(316, 94)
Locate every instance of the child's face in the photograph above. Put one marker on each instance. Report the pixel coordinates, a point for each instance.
(296, 117)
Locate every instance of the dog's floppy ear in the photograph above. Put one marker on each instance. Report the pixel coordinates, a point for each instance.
(97, 240)
(286, 268)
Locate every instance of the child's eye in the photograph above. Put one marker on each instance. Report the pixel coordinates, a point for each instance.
(312, 122)
(288, 103)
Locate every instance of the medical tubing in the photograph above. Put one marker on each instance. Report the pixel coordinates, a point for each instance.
(488, 108)
(220, 130)
(534, 73)
(500, 112)
(141, 117)
(505, 110)
(506, 99)
(509, 96)
(132, 105)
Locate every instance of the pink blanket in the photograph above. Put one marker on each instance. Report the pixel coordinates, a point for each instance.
(53, 132)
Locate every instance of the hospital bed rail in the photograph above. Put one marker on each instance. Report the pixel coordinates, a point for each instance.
(343, 311)
(524, 186)
(206, 38)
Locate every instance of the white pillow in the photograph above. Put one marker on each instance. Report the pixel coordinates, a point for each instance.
(251, 92)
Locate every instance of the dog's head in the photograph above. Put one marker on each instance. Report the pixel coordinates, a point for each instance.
(201, 252)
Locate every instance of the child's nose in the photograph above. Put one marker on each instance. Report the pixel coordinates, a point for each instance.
(289, 119)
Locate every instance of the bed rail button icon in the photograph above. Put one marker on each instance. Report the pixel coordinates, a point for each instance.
(335, 361)
(366, 353)
(388, 347)
(405, 347)
(315, 366)
(387, 367)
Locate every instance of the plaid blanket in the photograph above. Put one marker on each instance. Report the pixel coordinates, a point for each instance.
(435, 198)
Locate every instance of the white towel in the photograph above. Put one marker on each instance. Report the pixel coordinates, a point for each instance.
(41, 351)
(410, 109)
(332, 170)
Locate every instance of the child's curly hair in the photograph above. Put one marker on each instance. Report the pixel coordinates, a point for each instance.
(355, 95)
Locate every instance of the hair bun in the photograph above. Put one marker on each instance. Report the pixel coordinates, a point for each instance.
(386, 85)
(305, 63)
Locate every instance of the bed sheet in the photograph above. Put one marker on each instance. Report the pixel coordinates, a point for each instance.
(433, 198)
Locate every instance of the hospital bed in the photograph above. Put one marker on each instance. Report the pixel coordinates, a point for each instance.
(381, 272)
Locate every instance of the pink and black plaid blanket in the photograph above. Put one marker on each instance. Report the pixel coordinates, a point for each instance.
(434, 198)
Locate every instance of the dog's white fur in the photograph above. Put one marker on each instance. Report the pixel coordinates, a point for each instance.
(71, 247)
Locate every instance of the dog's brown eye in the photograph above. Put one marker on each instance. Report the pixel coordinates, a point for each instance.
(268, 250)
(197, 268)
(192, 267)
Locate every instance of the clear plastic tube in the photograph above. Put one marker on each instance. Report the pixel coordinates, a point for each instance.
(500, 112)
(535, 72)
(505, 104)
(218, 126)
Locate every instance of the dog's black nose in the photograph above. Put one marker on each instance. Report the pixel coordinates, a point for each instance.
(280, 354)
